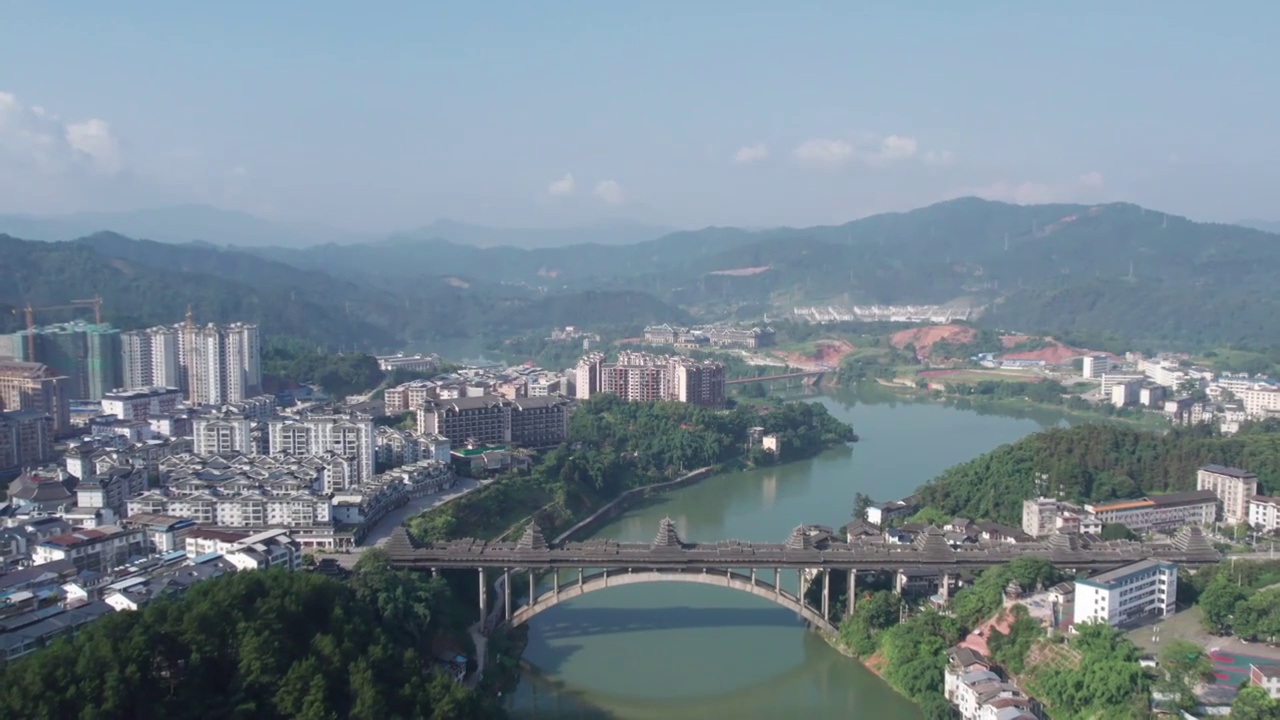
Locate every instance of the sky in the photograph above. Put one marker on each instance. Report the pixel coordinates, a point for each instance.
(389, 115)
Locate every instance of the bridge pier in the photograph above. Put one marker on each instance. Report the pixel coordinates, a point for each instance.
(506, 593)
(484, 597)
(826, 595)
(944, 587)
(853, 592)
(532, 587)
(777, 582)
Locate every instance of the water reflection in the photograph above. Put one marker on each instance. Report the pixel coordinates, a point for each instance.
(688, 651)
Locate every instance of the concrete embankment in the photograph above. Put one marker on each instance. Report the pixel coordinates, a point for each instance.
(626, 499)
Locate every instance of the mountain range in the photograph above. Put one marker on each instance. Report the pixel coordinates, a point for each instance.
(215, 226)
(1115, 270)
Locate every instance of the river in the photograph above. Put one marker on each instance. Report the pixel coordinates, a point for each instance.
(687, 651)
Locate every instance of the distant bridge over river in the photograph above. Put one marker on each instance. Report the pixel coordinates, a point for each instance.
(756, 568)
(809, 375)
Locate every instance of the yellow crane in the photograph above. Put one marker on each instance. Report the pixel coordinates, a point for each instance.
(29, 314)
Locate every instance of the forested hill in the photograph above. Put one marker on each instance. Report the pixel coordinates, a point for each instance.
(1115, 268)
(270, 644)
(1096, 462)
(145, 283)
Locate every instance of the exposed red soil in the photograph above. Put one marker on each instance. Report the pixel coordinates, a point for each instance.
(925, 338)
(827, 352)
(1055, 354)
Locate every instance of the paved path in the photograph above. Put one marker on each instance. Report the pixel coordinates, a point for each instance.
(394, 519)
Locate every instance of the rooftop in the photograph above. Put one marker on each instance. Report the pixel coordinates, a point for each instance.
(1230, 472)
(1113, 577)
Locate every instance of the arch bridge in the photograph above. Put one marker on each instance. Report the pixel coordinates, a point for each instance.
(757, 569)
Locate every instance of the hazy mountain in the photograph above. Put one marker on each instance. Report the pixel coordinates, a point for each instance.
(1271, 226)
(144, 282)
(616, 232)
(174, 224)
(1114, 268)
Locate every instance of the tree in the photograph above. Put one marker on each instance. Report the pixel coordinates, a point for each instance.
(1117, 531)
(1183, 666)
(1218, 603)
(1253, 703)
(861, 503)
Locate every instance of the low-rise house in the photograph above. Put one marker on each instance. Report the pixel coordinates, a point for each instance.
(273, 548)
(164, 533)
(24, 634)
(97, 549)
(881, 514)
(207, 541)
(132, 593)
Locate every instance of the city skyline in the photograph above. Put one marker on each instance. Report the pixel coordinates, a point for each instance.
(723, 114)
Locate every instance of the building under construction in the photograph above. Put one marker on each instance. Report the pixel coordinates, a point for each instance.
(88, 354)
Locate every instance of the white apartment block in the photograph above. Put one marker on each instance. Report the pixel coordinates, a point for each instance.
(1234, 488)
(141, 403)
(1259, 400)
(1095, 366)
(1163, 372)
(348, 434)
(1264, 513)
(1121, 596)
(222, 434)
(151, 358)
(223, 362)
(1110, 380)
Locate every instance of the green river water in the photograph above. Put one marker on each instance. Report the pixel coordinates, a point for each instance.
(676, 651)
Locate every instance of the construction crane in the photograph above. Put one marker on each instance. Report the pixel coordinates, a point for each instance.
(29, 314)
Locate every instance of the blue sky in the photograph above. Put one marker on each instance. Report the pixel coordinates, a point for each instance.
(687, 113)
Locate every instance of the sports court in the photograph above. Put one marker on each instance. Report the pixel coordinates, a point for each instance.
(1232, 668)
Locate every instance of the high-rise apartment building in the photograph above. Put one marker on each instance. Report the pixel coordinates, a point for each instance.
(349, 434)
(87, 354)
(151, 358)
(587, 376)
(641, 377)
(1233, 486)
(26, 439)
(222, 434)
(35, 386)
(222, 362)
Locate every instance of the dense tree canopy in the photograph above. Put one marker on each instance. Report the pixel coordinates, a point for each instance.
(614, 446)
(1099, 676)
(1096, 462)
(271, 644)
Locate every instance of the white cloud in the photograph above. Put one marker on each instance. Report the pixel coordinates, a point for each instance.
(562, 187)
(34, 139)
(609, 191)
(93, 138)
(1034, 193)
(897, 147)
(943, 158)
(750, 154)
(872, 151)
(824, 152)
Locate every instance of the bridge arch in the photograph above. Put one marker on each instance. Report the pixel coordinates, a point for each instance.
(718, 578)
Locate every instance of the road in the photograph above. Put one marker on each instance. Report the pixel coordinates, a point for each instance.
(394, 519)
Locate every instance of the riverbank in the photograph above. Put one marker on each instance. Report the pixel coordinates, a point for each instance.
(632, 450)
(1147, 420)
